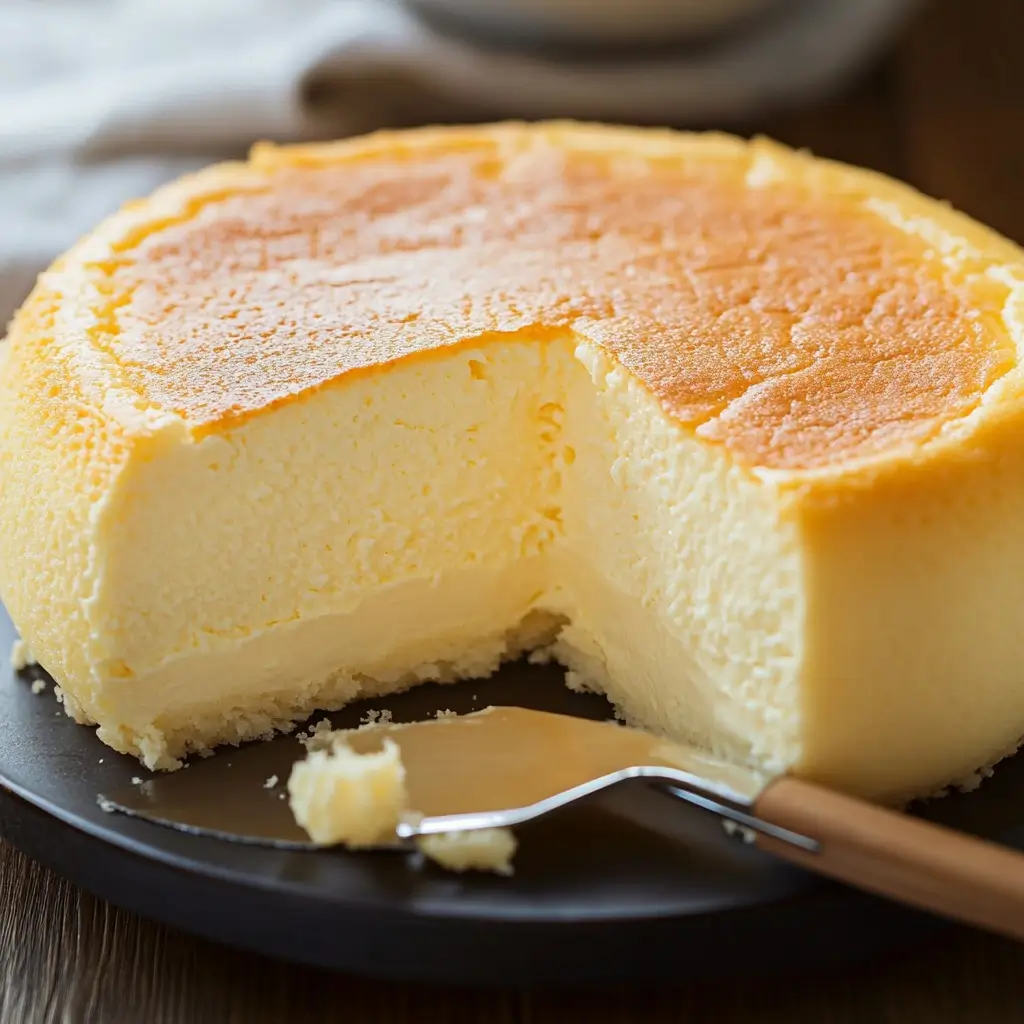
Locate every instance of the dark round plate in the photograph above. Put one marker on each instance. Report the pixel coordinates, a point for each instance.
(633, 886)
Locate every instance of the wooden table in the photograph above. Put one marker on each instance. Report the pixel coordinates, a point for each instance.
(946, 112)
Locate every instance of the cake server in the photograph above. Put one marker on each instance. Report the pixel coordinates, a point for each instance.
(505, 766)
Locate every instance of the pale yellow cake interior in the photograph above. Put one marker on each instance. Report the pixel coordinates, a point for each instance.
(764, 489)
(339, 796)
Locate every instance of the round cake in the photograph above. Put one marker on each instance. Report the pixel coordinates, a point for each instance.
(735, 434)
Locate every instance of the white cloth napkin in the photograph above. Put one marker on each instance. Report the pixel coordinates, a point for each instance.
(102, 100)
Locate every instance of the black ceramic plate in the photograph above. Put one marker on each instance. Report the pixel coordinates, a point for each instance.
(631, 887)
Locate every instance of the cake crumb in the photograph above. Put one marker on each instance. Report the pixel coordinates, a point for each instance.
(106, 805)
(318, 737)
(100, 761)
(541, 656)
(376, 718)
(21, 656)
(136, 781)
(735, 830)
(271, 782)
(446, 713)
(485, 849)
(38, 685)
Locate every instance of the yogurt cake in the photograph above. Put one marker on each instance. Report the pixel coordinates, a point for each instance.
(737, 433)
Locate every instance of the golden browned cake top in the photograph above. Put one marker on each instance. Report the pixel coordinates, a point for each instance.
(762, 296)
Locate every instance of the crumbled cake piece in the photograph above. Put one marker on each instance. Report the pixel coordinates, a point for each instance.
(376, 718)
(485, 849)
(318, 737)
(271, 782)
(21, 656)
(357, 800)
(339, 796)
(38, 685)
(742, 832)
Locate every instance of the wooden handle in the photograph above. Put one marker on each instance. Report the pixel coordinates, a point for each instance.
(895, 855)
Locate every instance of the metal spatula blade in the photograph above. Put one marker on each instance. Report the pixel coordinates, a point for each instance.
(504, 766)
(504, 758)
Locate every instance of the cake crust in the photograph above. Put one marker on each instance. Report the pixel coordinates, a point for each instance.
(800, 313)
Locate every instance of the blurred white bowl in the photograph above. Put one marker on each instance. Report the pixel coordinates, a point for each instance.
(599, 22)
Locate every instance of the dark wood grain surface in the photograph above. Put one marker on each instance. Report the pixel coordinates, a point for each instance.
(945, 110)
